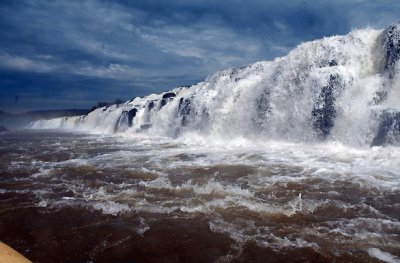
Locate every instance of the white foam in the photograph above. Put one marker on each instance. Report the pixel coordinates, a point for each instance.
(384, 256)
(43, 172)
(110, 207)
(143, 227)
(43, 203)
(245, 231)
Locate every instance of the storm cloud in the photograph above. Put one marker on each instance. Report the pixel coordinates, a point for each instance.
(71, 54)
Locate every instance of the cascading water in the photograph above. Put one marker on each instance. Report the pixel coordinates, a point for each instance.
(340, 88)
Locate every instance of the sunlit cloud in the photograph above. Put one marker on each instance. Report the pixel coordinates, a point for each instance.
(25, 64)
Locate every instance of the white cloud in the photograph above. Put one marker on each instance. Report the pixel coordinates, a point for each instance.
(101, 48)
(37, 65)
(25, 64)
(112, 71)
(214, 47)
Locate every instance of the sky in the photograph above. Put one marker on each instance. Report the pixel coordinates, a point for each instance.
(57, 54)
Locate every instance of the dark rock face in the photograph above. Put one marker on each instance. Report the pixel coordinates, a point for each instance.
(169, 95)
(324, 111)
(150, 106)
(125, 119)
(131, 115)
(263, 108)
(184, 109)
(380, 96)
(328, 63)
(389, 129)
(332, 63)
(163, 103)
(391, 45)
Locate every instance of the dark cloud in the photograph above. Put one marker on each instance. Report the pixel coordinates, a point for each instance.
(61, 54)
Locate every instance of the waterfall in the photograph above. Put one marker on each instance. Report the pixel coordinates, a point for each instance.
(339, 88)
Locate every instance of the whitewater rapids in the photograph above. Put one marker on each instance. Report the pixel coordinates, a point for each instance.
(158, 198)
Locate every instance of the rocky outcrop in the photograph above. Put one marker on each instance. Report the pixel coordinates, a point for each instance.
(131, 115)
(389, 129)
(167, 97)
(150, 105)
(125, 120)
(184, 110)
(391, 45)
(324, 111)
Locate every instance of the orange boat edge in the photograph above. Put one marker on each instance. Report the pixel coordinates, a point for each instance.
(9, 255)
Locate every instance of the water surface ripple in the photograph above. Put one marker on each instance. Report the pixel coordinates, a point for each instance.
(93, 198)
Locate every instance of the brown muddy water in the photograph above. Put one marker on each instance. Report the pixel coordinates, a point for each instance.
(73, 197)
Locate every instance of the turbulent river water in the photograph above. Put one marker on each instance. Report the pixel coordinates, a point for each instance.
(76, 197)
